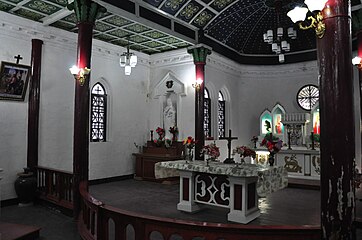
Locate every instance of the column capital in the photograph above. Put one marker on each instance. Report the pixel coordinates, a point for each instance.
(199, 53)
(86, 11)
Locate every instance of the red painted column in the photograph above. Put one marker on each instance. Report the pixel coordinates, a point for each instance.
(81, 114)
(199, 111)
(199, 54)
(34, 101)
(337, 122)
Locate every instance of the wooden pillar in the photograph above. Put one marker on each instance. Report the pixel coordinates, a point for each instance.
(34, 101)
(337, 122)
(86, 12)
(199, 53)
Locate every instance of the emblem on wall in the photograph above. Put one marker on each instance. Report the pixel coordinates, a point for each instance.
(292, 164)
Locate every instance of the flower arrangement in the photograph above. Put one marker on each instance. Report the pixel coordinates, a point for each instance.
(273, 144)
(245, 151)
(161, 134)
(174, 131)
(211, 150)
(189, 142)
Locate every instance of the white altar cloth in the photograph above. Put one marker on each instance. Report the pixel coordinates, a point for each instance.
(270, 179)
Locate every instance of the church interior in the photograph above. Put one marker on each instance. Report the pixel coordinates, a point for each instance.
(180, 119)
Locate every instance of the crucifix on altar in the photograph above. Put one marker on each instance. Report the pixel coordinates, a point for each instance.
(229, 159)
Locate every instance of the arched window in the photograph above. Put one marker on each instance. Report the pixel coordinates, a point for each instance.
(221, 115)
(98, 113)
(207, 114)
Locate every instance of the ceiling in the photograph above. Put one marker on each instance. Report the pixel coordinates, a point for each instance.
(233, 28)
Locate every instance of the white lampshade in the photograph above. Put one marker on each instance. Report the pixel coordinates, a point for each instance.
(356, 60)
(127, 70)
(265, 37)
(281, 58)
(133, 61)
(278, 50)
(74, 70)
(274, 47)
(315, 5)
(284, 45)
(288, 48)
(269, 33)
(297, 14)
(294, 34)
(122, 61)
(279, 32)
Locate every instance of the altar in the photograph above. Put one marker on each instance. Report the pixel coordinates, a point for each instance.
(224, 185)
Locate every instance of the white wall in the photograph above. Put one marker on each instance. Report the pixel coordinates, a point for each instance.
(127, 104)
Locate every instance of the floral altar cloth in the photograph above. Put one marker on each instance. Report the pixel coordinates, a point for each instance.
(270, 179)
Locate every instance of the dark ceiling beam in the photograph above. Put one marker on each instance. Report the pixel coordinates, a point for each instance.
(116, 7)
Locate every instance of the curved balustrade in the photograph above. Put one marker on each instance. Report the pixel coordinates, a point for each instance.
(95, 218)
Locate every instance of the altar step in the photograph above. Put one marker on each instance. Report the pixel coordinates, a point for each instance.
(304, 183)
(12, 231)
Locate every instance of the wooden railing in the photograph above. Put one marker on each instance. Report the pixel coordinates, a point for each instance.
(98, 221)
(55, 186)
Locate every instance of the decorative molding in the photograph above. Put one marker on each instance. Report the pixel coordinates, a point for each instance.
(178, 86)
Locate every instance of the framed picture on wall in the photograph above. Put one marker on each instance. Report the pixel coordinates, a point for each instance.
(13, 81)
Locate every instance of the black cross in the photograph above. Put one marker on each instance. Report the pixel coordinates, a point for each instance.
(18, 58)
(229, 139)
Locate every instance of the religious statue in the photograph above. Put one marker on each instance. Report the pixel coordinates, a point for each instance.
(169, 117)
(278, 125)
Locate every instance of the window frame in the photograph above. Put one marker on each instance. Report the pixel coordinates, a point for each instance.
(104, 98)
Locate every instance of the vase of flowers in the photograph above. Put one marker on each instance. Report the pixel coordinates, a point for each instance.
(174, 131)
(189, 143)
(212, 152)
(244, 151)
(273, 144)
(161, 134)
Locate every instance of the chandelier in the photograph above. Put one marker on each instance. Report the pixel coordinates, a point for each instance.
(128, 61)
(278, 41)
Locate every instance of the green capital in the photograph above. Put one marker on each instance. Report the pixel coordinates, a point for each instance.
(86, 10)
(199, 53)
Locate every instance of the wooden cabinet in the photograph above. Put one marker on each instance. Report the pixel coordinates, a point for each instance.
(145, 161)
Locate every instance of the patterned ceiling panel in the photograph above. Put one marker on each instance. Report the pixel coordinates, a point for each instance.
(117, 21)
(203, 18)
(170, 40)
(15, 1)
(102, 27)
(219, 5)
(173, 6)
(63, 25)
(71, 18)
(5, 6)
(137, 28)
(153, 44)
(60, 2)
(138, 39)
(155, 34)
(119, 33)
(189, 11)
(22, 12)
(42, 6)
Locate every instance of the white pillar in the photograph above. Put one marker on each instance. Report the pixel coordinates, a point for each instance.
(187, 192)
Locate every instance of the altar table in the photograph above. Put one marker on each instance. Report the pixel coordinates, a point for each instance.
(224, 185)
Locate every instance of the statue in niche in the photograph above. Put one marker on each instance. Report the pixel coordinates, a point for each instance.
(169, 116)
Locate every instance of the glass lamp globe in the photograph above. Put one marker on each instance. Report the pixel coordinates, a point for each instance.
(127, 70)
(315, 5)
(356, 60)
(297, 14)
(122, 60)
(133, 61)
(74, 70)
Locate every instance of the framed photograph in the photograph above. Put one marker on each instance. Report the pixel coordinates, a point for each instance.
(13, 81)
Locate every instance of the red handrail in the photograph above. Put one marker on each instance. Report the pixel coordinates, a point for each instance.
(95, 217)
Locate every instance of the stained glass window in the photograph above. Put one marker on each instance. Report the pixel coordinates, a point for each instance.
(207, 114)
(221, 116)
(98, 113)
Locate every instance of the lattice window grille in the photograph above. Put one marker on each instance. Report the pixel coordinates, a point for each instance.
(221, 116)
(98, 113)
